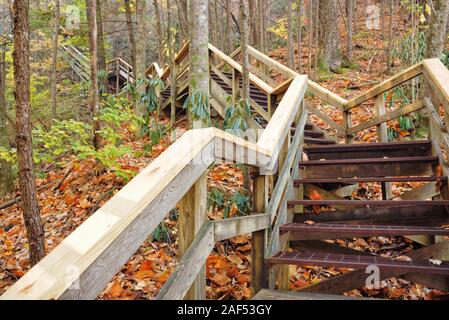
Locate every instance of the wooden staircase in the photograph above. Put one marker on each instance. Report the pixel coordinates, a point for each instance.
(329, 167)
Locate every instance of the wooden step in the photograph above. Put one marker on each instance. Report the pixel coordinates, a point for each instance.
(326, 231)
(369, 150)
(319, 141)
(371, 203)
(312, 134)
(391, 214)
(321, 259)
(299, 182)
(369, 167)
(266, 294)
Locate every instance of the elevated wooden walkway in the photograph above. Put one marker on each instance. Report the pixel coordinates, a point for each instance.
(293, 161)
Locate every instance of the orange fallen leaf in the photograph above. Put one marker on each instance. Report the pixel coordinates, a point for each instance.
(220, 279)
(115, 290)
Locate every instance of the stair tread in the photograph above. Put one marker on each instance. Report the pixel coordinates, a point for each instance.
(371, 146)
(298, 182)
(318, 141)
(384, 230)
(357, 262)
(369, 202)
(432, 159)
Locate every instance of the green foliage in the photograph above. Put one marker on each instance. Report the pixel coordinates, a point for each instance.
(411, 49)
(150, 99)
(445, 58)
(236, 116)
(216, 199)
(197, 105)
(279, 30)
(70, 137)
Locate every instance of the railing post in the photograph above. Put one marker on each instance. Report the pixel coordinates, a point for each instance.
(192, 216)
(347, 119)
(117, 77)
(382, 136)
(260, 194)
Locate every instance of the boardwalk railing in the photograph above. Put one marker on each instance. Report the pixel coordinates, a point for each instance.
(81, 265)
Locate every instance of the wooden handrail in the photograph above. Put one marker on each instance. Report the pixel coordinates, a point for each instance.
(386, 85)
(283, 117)
(262, 85)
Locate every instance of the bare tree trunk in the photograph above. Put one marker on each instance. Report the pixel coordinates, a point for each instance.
(184, 19)
(390, 38)
(199, 50)
(139, 72)
(91, 10)
(173, 73)
(160, 37)
(330, 56)
(299, 33)
(437, 28)
(27, 183)
(131, 35)
(309, 58)
(290, 45)
(382, 19)
(253, 26)
(349, 18)
(101, 45)
(244, 19)
(54, 58)
(6, 181)
(229, 42)
(263, 41)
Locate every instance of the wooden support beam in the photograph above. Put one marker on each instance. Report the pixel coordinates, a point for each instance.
(415, 106)
(340, 129)
(382, 136)
(190, 267)
(192, 216)
(386, 85)
(258, 237)
(229, 228)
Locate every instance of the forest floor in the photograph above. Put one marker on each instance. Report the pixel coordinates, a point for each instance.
(70, 194)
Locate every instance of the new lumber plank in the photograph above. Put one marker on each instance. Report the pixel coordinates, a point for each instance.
(386, 85)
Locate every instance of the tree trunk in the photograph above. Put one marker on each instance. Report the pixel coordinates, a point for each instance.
(229, 42)
(54, 59)
(139, 73)
(160, 37)
(91, 10)
(290, 45)
(183, 18)
(437, 28)
(6, 181)
(101, 45)
(349, 18)
(263, 42)
(173, 73)
(309, 58)
(199, 50)
(299, 33)
(329, 42)
(253, 27)
(390, 38)
(27, 183)
(132, 39)
(244, 19)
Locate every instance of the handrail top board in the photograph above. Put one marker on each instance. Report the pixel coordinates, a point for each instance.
(253, 78)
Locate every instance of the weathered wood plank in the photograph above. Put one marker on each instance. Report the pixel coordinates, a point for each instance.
(340, 129)
(192, 216)
(386, 85)
(190, 266)
(228, 228)
(283, 117)
(418, 105)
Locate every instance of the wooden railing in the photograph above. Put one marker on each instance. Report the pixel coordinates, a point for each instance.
(436, 101)
(81, 265)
